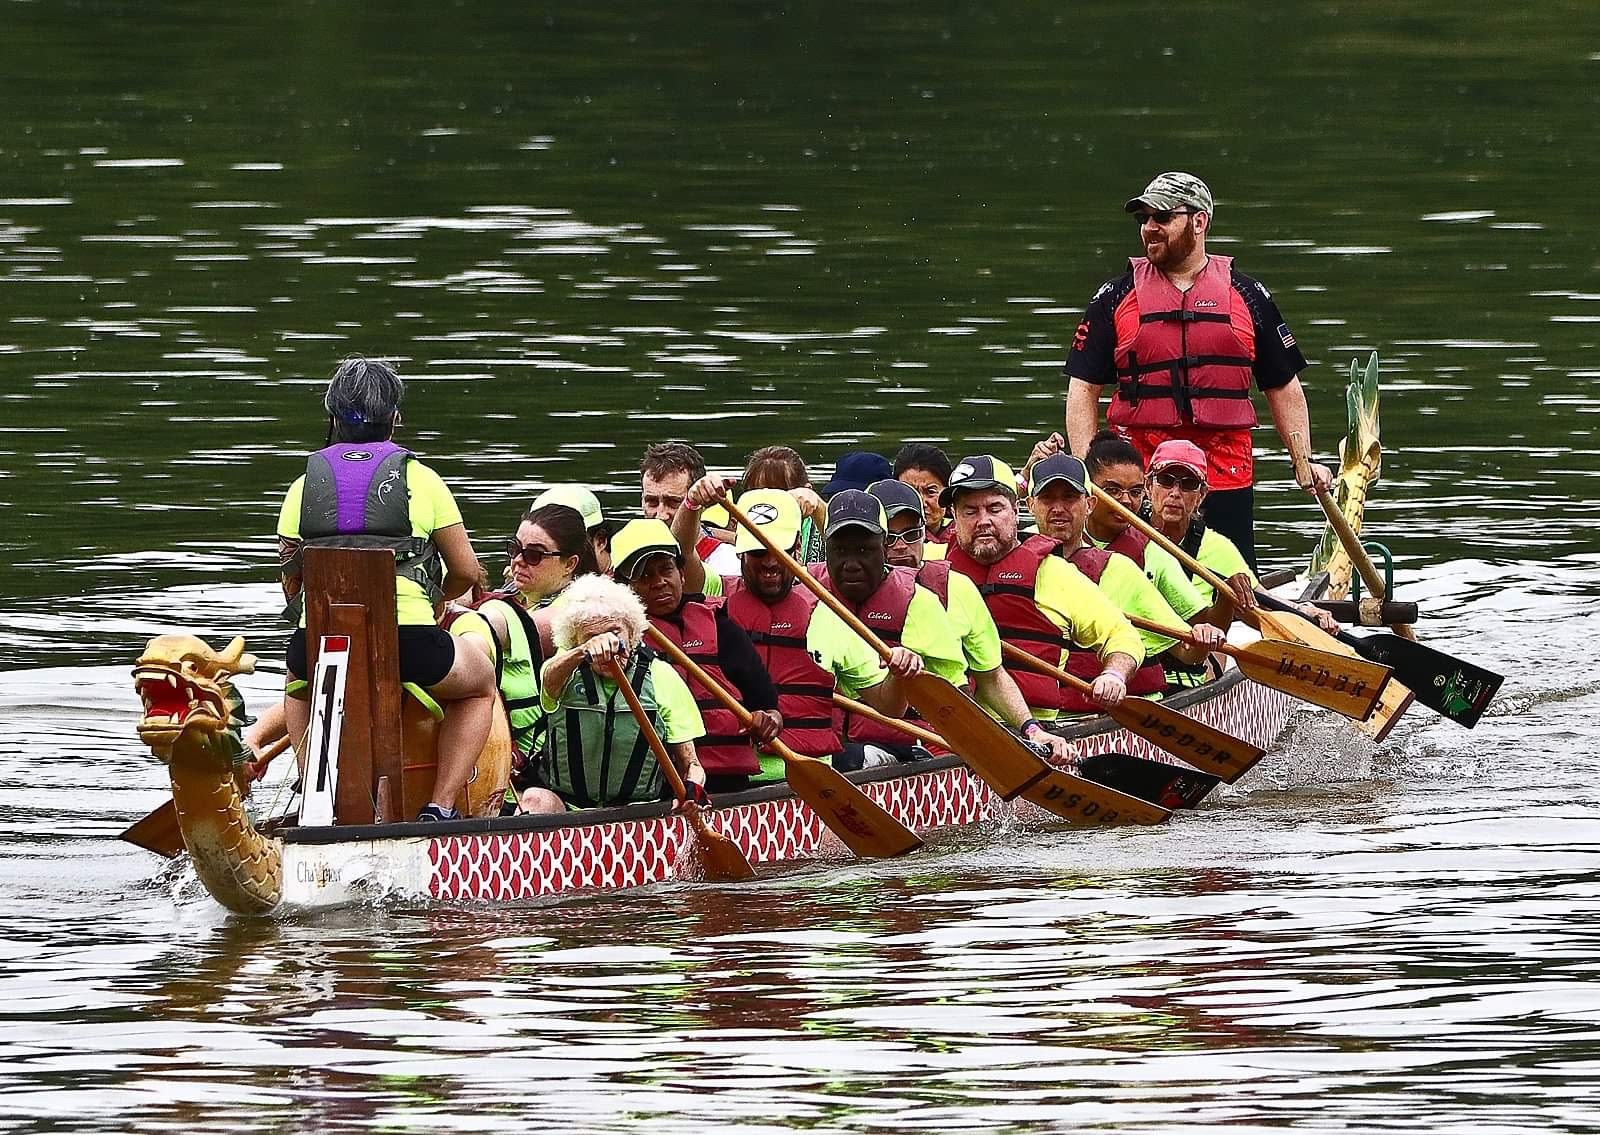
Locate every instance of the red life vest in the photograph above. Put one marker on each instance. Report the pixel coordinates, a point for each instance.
(1188, 358)
(724, 749)
(1149, 678)
(935, 576)
(1008, 587)
(884, 612)
(1129, 542)
(805, 688)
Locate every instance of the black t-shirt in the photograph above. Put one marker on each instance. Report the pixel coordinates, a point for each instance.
(1092, 354)
(743, 667)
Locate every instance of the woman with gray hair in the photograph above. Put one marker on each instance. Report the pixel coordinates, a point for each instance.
(595, 754)
(361, 490)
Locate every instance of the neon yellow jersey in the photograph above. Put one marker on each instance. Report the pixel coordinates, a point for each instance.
(1083, 612)
(1221, 555)
(1132, 591)
(931, 633)
(432, 508)
(933, 550)
(1170, 579)
(969, 614)
(679, 717)
(836, 647)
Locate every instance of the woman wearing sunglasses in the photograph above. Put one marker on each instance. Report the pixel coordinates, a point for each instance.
(551, 549)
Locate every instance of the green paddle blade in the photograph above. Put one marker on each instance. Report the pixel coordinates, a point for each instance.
(1450, 687)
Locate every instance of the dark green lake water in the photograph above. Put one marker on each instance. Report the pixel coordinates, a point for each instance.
(580, 229)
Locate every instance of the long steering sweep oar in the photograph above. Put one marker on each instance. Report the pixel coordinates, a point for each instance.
(1004, 762)
(1206, 748)
(861, 822)
(723, 860)
(1349, 686)
(1171, 786)
(1291, 626)
(159, 831)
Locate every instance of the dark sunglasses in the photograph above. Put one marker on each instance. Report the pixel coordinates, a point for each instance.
(530, 554)
(1188, 482)
(1162, 216)
(908, 537)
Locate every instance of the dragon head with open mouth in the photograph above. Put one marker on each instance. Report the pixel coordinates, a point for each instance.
(187, 687)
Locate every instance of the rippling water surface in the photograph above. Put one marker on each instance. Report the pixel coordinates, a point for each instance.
(583, 230)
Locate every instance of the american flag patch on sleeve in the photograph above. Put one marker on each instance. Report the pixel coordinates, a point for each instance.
(1285, 335)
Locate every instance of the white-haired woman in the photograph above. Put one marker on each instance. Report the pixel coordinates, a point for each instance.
(594, 755)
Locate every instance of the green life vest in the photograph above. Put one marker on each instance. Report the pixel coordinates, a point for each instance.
(517, 670)
(595, 755)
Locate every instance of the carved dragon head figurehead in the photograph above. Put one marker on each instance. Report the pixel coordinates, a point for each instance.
(186, 688)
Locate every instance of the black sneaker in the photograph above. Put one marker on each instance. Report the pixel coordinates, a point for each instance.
(433, 814)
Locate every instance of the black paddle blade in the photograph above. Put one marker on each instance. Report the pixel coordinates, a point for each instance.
(1171, 786)
(1448, 686)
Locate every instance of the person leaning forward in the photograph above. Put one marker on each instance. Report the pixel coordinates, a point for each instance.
(1060, 502)
(1040, 602)
(807, 649)
(992, 686)
(648, 560)
(1180, 336)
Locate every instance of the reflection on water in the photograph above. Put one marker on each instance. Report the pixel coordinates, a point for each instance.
(582, 230)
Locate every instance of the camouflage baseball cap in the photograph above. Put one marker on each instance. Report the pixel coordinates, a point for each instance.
(1172, 190)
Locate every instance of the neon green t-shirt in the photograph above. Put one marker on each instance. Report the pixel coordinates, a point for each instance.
(1085, 615)
(432, 508)
(678, 717)
(1170, 579)
(969, 614)
(1132, 591)
(1221, 555)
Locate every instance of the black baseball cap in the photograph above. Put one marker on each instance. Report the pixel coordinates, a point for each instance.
(854, 509)
(980, 472)
(897, 497)
(1059, 467)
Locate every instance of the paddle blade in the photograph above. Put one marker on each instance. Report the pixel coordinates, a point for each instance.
(157, 832)
(1207, 749)
(1393, 700)
(1450, 687)
(719, 855)
(1083, 803)
(1349, 686)
(861, 822)
(988, 748)
(1170, 786)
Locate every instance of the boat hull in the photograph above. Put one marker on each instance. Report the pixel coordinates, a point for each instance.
(528, 858)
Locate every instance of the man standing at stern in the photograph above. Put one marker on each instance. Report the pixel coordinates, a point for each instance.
(1181, 334)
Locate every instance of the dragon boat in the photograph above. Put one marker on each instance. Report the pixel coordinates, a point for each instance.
(284, 865)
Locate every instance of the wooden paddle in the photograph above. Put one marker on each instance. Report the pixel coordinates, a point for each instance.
(1349, 686)
(988, 748)
(159, 831)
(1341, 526)
(861, 822)
(1171, 786)
(1394, 699)
(723, 860)
(1206, 748)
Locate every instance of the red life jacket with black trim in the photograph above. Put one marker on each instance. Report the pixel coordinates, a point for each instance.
(1008, 587)
(1129, 542)
(1188, 359)
(724, 749)
(884, 612)
(805, 688)
(1149, 678)
(935, 576)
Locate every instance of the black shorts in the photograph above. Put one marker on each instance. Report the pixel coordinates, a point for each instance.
(426, 654)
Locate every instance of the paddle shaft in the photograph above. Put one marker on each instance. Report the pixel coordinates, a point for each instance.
(1206, 747)
(1341, 526)
(864, 825)
(909, 728)
(722, 858)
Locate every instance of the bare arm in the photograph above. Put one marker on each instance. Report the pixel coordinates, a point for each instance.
(687, 761)
(1083, 413)
(998, 691)
(461, 568)
(1290, 415)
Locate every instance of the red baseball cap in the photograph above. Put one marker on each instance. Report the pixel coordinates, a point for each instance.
(1179, 452)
